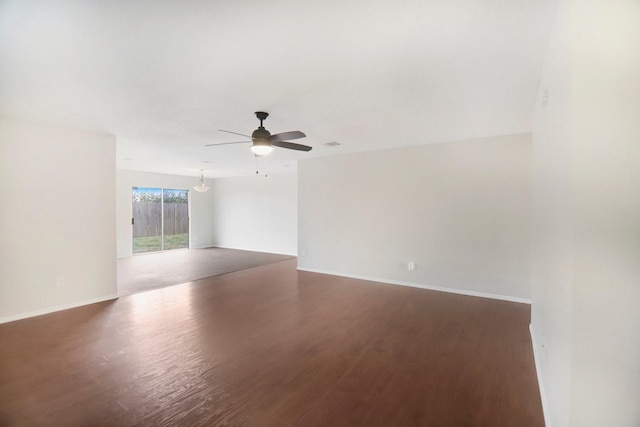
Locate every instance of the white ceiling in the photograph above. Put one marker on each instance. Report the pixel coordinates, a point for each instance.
(164, 76)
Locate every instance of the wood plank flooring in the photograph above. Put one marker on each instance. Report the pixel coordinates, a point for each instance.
(272, 346)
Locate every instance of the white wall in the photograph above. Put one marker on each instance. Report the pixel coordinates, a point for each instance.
(57, 218)
(459, 210)
(552, 237)
(201, 206)
(586, 293)
(606, 156)
(256, 213)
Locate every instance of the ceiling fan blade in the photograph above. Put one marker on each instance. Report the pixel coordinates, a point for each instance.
(291, 145)
(294, 134)
(227, 143)
(235, 133)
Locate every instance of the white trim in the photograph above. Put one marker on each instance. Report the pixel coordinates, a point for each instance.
(57, 308)
(421, 286)
(543, 396)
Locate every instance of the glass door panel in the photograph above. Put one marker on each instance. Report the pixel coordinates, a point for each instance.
(147, 219)
(175, 210)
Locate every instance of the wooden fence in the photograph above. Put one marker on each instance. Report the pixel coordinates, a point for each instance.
(148, 222)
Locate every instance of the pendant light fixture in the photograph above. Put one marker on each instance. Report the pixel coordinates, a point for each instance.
(202, 187)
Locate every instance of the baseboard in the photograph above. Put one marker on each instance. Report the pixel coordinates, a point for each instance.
(422, 286)
(56, 308)
(536, 358)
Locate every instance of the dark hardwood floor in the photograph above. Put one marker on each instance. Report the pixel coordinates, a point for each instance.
(271, 346)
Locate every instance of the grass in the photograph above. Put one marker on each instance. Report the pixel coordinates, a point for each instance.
(153, 243)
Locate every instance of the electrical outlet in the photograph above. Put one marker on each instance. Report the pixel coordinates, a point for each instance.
(60, 282)
(303, 252)
(411, 266)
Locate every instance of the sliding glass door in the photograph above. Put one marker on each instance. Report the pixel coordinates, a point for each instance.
(160, 219)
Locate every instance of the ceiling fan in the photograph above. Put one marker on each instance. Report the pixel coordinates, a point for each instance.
(263, 142)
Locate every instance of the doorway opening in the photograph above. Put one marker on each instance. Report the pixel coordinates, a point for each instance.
(160, 219)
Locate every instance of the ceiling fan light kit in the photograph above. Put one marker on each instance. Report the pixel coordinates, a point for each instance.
(263, 142)
(261, 147)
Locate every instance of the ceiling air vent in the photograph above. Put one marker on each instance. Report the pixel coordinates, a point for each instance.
(331, 144)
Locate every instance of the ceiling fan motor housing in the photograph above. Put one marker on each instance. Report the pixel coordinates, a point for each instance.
(261, 134)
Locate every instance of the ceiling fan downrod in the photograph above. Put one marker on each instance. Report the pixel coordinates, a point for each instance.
(261, 115)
